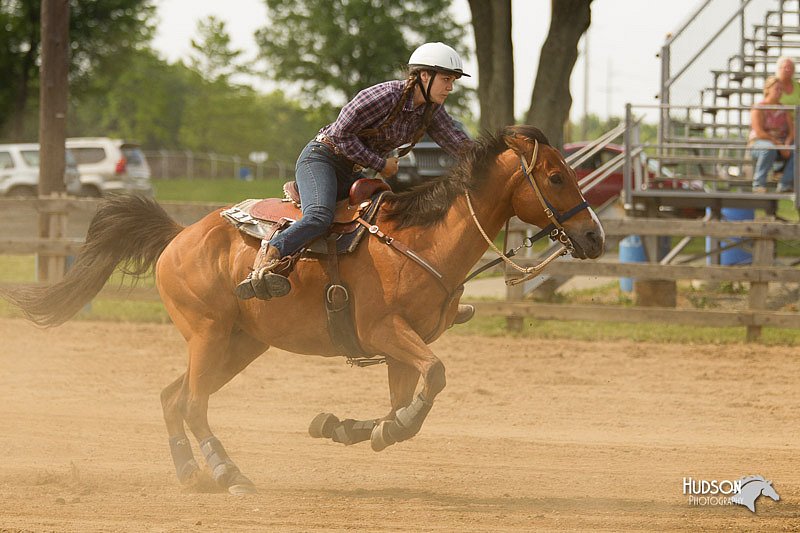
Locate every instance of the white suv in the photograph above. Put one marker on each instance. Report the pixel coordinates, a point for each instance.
(110, 166)
(19, 171)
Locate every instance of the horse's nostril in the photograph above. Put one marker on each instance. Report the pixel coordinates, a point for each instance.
(595, 242)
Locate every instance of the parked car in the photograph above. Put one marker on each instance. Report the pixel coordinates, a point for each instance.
(19, 170)
(426, 160)
(110, 166)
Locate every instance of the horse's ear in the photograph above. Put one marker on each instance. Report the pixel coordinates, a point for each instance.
(521, 145)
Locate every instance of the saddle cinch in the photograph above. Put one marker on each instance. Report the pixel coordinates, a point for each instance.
(263, 219)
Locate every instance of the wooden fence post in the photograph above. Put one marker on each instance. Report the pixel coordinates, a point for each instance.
(763, 251)
(51, 266)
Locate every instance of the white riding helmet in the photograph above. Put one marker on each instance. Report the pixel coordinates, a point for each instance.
(438, 56)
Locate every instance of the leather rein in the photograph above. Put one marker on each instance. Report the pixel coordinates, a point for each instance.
(554, 230)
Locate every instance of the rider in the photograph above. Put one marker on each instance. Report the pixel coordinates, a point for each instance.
(378, 120)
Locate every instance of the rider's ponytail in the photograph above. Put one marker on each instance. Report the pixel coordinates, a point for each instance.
(411, 81)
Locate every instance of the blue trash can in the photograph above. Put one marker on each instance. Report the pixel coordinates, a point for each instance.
(631, 250)
(737, 255)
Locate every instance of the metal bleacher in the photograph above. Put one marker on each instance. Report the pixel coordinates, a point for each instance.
(712, 72)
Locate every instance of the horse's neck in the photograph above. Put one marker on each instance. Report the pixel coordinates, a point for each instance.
(459, 244)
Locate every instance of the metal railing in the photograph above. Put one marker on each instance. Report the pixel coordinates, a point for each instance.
(641, 174)
(704, 41)
(171, 164)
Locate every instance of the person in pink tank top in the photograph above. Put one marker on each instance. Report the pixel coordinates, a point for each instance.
(769, 129)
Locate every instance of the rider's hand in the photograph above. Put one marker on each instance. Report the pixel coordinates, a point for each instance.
(390, 169)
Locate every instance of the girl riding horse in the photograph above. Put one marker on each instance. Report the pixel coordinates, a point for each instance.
(377, 121)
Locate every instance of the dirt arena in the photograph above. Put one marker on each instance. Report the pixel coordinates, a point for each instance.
(544, 435)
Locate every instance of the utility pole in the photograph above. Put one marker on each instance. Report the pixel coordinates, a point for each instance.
(585, 121)
(53, 123)
(53, 95)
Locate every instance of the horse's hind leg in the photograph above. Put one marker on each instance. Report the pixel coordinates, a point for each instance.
(210, 367)
(189, 473)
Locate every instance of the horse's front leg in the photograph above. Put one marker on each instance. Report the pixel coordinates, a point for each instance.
(402, 384)
(413, 358)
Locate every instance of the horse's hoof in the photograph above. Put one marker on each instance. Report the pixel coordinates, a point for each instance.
(464, 314)
(200, 481)
(322, 426)
(240, 490)
(381, 438)
(239, 484)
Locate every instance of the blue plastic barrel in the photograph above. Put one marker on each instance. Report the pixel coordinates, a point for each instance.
(631, 250)
(736, 255)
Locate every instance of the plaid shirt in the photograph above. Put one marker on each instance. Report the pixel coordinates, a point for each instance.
(370, 108)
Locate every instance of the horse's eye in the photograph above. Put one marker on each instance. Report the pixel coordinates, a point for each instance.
(556, 179)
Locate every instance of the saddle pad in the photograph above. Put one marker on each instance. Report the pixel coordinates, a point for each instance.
(349, 234)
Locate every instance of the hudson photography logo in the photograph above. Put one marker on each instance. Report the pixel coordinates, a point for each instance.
(744, 491)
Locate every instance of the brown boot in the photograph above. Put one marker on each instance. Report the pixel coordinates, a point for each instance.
(464, 314)
(261, 282)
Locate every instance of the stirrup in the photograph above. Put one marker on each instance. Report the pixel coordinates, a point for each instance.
(269, 285)
(263, 284)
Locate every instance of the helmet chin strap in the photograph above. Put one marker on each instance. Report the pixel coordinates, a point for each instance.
(426, 92)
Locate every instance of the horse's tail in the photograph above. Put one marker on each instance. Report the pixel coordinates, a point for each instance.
(132, 230)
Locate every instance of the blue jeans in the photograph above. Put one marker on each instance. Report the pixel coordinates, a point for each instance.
(764, 154)
(322, 179)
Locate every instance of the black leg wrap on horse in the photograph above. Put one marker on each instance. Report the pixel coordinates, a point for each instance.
(408, 420)
(223, 469)
(353, 431)
(182, 456)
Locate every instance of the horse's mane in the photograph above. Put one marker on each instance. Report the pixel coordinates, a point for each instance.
(749, 479)
(427, 203)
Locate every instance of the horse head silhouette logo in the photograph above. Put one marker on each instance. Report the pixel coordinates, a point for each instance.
(752, 488)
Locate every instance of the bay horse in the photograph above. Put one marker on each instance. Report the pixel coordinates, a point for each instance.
(399, 307)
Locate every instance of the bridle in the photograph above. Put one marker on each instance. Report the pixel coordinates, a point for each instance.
(554, 230)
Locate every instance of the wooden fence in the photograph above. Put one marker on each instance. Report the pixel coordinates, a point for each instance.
(19, 223)
(762, 272)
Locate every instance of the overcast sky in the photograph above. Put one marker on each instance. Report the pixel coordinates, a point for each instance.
(624, 38)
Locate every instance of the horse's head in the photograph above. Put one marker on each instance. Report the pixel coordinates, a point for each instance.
(546, 192)
(768, 490)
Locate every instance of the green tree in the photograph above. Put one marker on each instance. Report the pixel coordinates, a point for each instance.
(491, 24)
(116, 103)
(237, 121)
(224, 117)
(212, 55)
(551, 99)
(334, 49)
(99, 31)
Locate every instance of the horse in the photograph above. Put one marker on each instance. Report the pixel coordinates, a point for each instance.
(751, 488)
(399, 306)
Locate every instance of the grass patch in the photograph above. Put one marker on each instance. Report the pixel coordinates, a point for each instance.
(108, 310)
(17, 268)
(786, 210)
(616, 331)
(216, 190)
